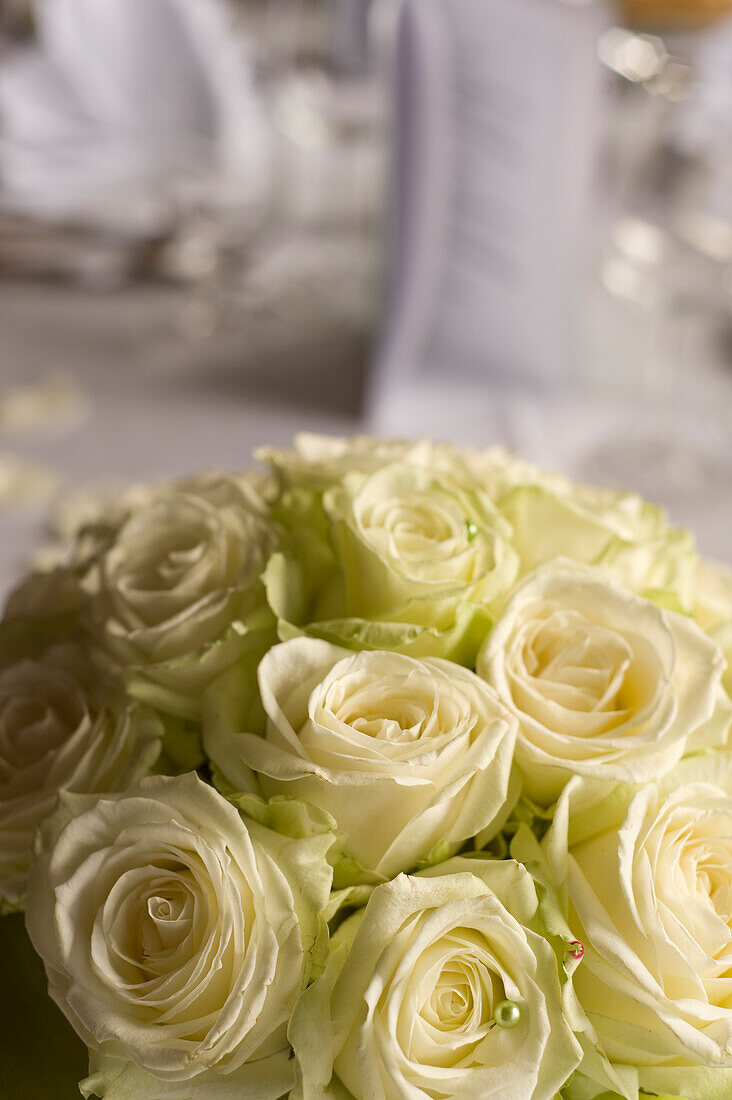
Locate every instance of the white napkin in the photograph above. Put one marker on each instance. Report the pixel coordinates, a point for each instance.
(498, 121)
(127, 110)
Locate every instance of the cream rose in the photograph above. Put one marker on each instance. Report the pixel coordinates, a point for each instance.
(61, 728)
(410, 757)
(176, 939)
(422, 535)
(622, 533)
(175, 594)
(648, 881)
(403, 558)
(603, 682)
(442, 987)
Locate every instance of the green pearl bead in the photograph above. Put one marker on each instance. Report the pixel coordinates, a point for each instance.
(507, 1014)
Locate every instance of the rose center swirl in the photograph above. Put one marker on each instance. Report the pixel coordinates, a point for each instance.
(400, 709)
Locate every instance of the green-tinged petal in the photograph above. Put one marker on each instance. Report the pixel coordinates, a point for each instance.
(231, 704)
(311, 1035)
(687, 1082)
(507, 879)
(177, 686)
(349, 897)
(113, 1079)
(459, 642)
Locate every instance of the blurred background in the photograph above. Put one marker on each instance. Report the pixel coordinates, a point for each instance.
(223, 221)
(487, 220)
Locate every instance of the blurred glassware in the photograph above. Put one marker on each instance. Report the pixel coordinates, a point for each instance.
(125, 115)
(659, 329)
(237, 148)
(665, 222)
(306, 281)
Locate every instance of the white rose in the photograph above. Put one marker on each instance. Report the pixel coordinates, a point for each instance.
(413, 1001)
(603, 682)
(61, 728)
(407, 755)
(175, 595)
(403, 559)
(423, 536)
(176, 939)
(648, 881)
(622, 533)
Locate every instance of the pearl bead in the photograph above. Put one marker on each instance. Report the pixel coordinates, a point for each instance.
(472, 529)
(507, 1014)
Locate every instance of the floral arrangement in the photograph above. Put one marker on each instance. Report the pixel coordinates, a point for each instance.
(393, 770)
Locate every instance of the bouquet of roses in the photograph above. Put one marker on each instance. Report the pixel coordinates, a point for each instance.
(391, 771)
